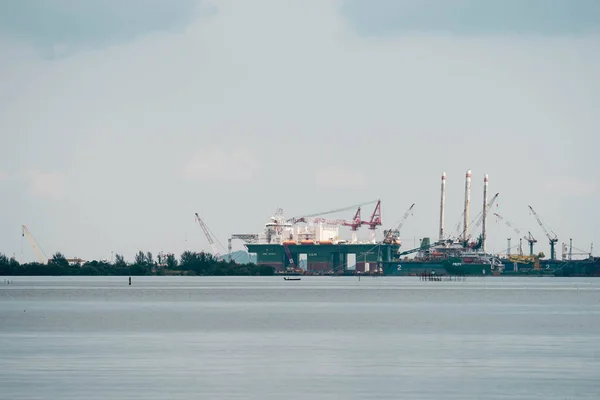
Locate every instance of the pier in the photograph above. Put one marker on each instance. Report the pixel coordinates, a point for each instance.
(441, 278)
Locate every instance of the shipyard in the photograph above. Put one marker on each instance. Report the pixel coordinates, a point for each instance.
(312, 245)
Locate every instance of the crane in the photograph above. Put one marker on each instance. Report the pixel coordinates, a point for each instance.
(479, 217)
(425, 247)
(354, 224)
(531, 240)
(510, 225)
(550, 234)
(392, 235)
(489, 205)
(211, 242)
(302, 218)
(39, 253)
(375, 220)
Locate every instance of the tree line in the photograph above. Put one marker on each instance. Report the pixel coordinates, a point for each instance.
(190, 263)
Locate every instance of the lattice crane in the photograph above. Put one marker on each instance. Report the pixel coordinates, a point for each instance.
(550, 234)
(39, 253)
(514, 228)
(479, 217)
(354, 224)
(393, 235)
(208, 235)
(375, 220)
(304, 218)
(531, 240)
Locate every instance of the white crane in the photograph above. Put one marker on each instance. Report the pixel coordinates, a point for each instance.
(393, 235)
(211, 242)
(479, 217)
(39, 253)
(530, 238)
(552, 238)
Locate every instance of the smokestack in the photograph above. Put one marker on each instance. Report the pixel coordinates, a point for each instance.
(442, 205)
(485, 200)
(467, 204)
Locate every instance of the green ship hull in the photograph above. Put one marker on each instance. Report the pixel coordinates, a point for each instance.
(459, 267)
(334, 259)
(569, 268)
(412, 268)
(446, 267)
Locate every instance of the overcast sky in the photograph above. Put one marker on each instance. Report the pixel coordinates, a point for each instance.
(120, 119)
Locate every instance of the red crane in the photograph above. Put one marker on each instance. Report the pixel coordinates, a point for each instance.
(355, 223)
(375, 219)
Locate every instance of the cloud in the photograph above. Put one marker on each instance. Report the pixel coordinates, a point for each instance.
(66, 26)
(467, 17)
(399, 110)
(340, 177)
(46, 184)
(215, 164)
(3, 176)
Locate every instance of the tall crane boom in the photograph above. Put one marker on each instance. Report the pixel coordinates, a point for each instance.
(211, 242)
(295, 219)
(393, 235)
(479, 216)
(508, 223)
(406, 214)
(517, 231)
(551, 235)
(487, 209)
(39, 253)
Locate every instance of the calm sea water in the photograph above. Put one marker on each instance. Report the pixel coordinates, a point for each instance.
(318, 338)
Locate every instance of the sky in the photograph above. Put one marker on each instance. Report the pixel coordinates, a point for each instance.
(120, 120)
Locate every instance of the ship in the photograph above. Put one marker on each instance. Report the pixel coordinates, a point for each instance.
(314, 242)
(452, 259)
(287, 243)
(516, 265)
(444, 258)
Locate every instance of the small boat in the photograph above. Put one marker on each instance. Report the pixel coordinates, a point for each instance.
(287, 278)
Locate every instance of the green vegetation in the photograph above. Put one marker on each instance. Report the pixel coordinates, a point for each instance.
(190, 263)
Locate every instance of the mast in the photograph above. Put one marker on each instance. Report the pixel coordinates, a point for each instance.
(483, 229)
(442, 205)
(467, 205)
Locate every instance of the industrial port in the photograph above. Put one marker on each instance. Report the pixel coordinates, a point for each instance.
(312, 244)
